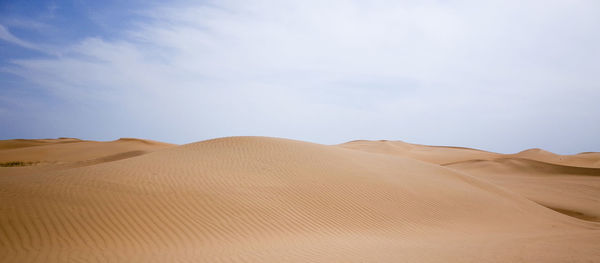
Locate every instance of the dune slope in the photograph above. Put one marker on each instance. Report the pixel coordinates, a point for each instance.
(256, 199)
(63, 153)
(569, 184)
(571, 190)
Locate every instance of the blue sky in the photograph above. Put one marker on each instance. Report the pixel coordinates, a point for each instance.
(498, 75)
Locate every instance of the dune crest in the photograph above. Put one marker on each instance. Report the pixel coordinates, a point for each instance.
(260, 199)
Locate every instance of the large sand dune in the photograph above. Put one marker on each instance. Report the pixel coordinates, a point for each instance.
(569, 184)
(257, 199)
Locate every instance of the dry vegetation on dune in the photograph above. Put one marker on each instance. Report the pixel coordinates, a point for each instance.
(258, 199)
(16, 164)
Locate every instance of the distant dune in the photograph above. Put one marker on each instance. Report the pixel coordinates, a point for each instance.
(259, 199)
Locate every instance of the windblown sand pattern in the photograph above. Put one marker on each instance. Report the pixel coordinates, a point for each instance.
(258, 199)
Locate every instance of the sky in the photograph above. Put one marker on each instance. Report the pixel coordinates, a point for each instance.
(498, 75)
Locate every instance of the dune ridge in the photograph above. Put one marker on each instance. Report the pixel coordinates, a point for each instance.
(260, 199)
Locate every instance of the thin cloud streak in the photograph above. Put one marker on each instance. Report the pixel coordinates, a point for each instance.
(9, 37)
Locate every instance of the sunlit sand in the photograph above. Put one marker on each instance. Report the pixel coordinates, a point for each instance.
(260, 199)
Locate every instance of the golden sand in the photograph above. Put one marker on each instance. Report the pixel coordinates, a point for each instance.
(259, 199)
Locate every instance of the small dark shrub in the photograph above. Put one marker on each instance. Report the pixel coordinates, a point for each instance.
(15, 164)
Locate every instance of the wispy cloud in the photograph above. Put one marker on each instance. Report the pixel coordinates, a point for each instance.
(456, 72)
(9, 37)
(25, 23)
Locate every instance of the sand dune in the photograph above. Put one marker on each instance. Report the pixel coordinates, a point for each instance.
(258, 199)
(71, 150)
(22, 143)
(568, 189)
(52, 154)
(569, 184)
(449, 154)
(432, 154)
(583, 160)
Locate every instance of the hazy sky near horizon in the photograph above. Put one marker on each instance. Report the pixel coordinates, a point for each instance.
(497, 75)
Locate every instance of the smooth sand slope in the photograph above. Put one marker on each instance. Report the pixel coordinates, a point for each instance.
(57, 154)
(569, 184)
(257, 199)
(68, 150)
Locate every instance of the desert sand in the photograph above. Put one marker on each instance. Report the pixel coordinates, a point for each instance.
(260, 199)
